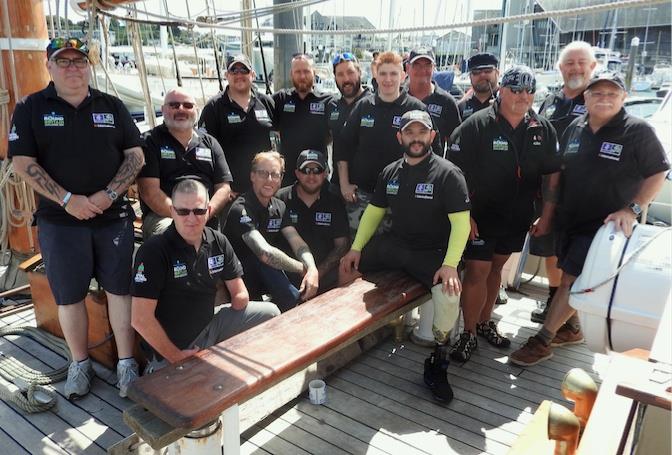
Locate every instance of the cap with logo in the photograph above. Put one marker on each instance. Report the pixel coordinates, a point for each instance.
(242, 59)
(482, 61)
(519, 77)
(311, 156)
(607, 76)
(59, 45)
(421, 117)
(421, 52)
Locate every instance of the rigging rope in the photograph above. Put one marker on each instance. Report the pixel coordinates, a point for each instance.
(198, 62)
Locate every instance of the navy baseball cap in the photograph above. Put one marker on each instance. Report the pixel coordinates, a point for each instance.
(482, 61)
(519, 77)
(415, 116)
(311, 156)
(421, 52)
(607, 76)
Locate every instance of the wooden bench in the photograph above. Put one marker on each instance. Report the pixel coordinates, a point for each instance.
(187, 395)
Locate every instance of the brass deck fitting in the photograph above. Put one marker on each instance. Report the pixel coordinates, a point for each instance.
(580, 388)
(563, 427)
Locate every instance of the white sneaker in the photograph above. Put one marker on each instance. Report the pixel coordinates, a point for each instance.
(127, 372)
(79, 379)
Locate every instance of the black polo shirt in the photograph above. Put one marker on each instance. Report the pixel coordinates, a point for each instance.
(167, 160)
(442, 107)
(562, 111)
(603, 171)
(302, 123)
(81, 148)
(503, 167)
(319, 224)
(368, 141)
(420, 198)
(247, 214)
(470, 105)
(183, 280)
(242, 134)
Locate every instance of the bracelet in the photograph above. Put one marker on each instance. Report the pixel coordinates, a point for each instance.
(66, 199)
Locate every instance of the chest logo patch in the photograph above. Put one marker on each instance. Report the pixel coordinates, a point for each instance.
(203, 154)
(424, 191)
(537, 139)
(435, 109)
(216, 263)
(610, 151)
(500, 144)
(392, 187)
(468, 110)
(179, 269)
(549, 111)
(396, 121)
(316, 108)
(53, 119)
(323, 218)
(103, 119)
(334, 115)
(293, 217)
(245, 219)
(579, 109)
(289, 107)
(274, 224)
(233, 118)
(140, 274)
(573, 146)
(167, 153)
(13, 136)
(367, 121)
(261, 114)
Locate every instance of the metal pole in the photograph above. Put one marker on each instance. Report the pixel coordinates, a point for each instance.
(284, 45)
(634, 46)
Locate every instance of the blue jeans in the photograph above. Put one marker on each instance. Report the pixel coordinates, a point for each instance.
(262, 279)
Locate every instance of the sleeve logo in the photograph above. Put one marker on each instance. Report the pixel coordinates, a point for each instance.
(140, 274)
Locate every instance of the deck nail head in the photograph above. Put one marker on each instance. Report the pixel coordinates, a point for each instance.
(180, 367)
(219, 387)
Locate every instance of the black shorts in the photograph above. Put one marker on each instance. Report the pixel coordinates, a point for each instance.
(484, 248)
(572, 252)
(75, 254)
(387, 252)
(544, 246)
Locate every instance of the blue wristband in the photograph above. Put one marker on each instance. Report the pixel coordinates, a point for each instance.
(66, 199)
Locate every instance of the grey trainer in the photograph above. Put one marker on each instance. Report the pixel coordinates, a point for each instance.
(79, 379)
(127, 372)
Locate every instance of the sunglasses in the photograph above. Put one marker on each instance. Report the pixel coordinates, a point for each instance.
(482, 71)
(67, 62)
(176, 105)
(66, 43)
(302, 55)
(186, 212)
(517, 90)
(344, 57)
(264, 174)
(311, 170)
(238, 70)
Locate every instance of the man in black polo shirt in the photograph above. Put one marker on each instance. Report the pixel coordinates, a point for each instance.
(240, 118)
(255, 223)
(368, 140)
(301, 114)
(177, 276)
(80, 150)
(318, 215)
(503, 150)
(176, 151)
(613, 166)
(576, 63)
(484, 77)
(427, 196)
(440, 104)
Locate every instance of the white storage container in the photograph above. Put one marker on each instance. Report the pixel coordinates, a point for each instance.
(637, 293)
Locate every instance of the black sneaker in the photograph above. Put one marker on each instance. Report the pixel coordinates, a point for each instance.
(436, 375)
(502, 296)
(461, 351)
(539, 315)
(489, 331)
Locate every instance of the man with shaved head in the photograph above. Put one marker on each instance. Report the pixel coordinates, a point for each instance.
(175, 151)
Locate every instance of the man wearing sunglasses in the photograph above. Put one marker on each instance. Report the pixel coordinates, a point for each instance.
(240, 118)
(504, 151)
(301, 114)
(484, 76)
(318, 215)
(255, 225)
(80, 150)
(180, 276)
(174, 151)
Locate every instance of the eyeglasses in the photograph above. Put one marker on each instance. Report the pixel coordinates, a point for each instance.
(517, 90)
(67, 62)
(238, 70)
(176, 105)
(186, 212)
(311, 170)
(66, 43)
(344, 57)
(607, 95)
(264, 174)
(482, 71)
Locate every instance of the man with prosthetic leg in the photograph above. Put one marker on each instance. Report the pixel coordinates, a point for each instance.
(429, 205)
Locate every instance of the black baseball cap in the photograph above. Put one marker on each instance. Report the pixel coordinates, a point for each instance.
(519, 77)
(242, 59)
(482, 61)
(415, 116)
(608, 76)
(311, 156)
(421, 52)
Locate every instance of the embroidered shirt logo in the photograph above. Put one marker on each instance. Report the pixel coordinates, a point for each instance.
(610, 151)
(573, 146)
(216, 263)
(140, 274)
(316, 108)
(468, 110)
(245, 219)
(53, 119)
(424, 191)
(434, 110)
(233, 118)
(289, 107)
(13, 136)
(392, 187)
(579, 109)
(167, 153)
(500, 144)
(103, 119)
(179, 269)
(549, 111)
(367, 121)
(323, 218)
(293, 217)
(396, 121)
(334, 115)
(203, 154)
(274, 224)
(261, 114)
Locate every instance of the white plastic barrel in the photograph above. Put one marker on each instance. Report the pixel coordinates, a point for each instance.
(640, 289)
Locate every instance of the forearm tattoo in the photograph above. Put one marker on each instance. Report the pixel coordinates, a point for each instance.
(127, 172)
(303, 252)
(549, 190)
(271, 255)
(41, 181)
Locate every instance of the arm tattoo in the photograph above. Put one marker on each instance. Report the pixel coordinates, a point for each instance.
(303, 253)
(269, 254)
(42, 182)
(127, 172)
(549, 191)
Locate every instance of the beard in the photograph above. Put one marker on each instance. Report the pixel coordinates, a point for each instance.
(303, 87)
(408, 149)
(180, 124)
(575, 82)
(349, 89)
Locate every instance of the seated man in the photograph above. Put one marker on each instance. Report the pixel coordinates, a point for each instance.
(176, 278)
(254, 225)
(429, 206)
(318, 215)
(176, 151)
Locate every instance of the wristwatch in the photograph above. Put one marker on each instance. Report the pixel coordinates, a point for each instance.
(111, 194)
(636, 209)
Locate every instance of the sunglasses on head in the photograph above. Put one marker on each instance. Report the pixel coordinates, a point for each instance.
(311, 170)
(300, 55)
(67, 43)
(344, 57)
(177, 104)
(517, 90)
(186, 212)
(239, 70)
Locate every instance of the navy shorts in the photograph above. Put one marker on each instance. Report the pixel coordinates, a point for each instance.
(544, 246)
(75, 254)
(387, 252)
(484, 248)
(572, 252)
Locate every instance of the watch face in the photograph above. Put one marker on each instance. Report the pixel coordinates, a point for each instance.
(637, 210)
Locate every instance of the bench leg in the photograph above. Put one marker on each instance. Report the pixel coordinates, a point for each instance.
(231, 431)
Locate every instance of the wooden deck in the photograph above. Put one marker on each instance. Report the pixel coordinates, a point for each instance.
(378, 404)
